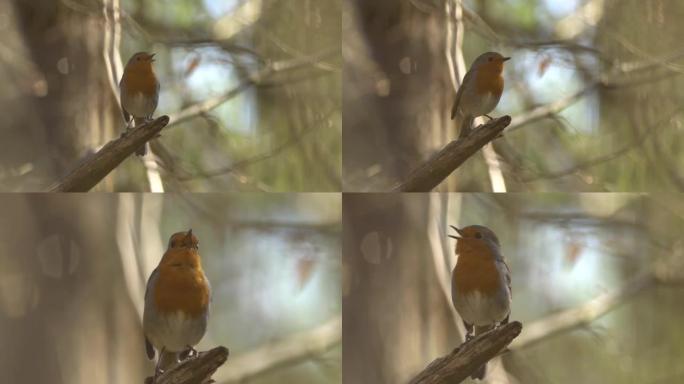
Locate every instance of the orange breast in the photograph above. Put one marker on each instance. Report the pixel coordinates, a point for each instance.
(489, 81)
(476, 272)
(141, 79)
(181, 287)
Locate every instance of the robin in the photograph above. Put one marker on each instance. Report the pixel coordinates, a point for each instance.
(480, 283)
(480, 90)
(176, 302)
(139, 91)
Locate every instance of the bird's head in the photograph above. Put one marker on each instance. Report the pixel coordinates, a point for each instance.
(184, 240)
(490, 62)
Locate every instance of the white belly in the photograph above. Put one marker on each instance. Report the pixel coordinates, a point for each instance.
(176, 331)
(139, 105)
(477, 104)
(480, 310)
(489, 102)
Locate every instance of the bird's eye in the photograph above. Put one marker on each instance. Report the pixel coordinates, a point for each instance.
(490, 59)
(478, 235)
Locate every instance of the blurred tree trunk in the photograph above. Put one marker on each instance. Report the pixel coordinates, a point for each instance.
(392, 301)
(398, 93)
(64, 304)
(72, 106)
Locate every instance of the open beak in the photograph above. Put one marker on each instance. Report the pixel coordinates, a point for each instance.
(458, 231)
(152, 57)
(505, 59)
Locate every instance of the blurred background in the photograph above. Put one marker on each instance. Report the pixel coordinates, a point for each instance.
(594, 88)
(252, 88)
(73, 270)
(597, 282)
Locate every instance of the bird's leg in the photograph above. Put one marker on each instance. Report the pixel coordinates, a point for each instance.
(127, 129)
(189, 353)
(192, 352)
(469, 331)
(157, 369)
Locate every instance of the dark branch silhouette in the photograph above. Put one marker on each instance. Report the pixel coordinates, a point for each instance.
(435, 170)
(194, 370)
(95, 167)
(468, 357)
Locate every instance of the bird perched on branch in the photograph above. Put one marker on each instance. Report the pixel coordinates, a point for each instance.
(480, 282)
(480, 90)
(176, 302)
(139, 91)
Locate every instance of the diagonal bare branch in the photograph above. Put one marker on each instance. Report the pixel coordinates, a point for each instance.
(428, 175)
(468, 357)
(95, 167)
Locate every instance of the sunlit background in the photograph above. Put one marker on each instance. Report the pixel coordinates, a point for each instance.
(252, 88)
(594, 88)
(73, 272)
(596, 278)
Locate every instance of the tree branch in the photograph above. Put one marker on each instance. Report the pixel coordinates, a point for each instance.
(468, 357)
(194, 370)
(434, 171)
(95, 167)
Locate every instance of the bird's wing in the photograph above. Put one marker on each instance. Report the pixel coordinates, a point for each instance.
(122, 85)
(503, 267)
(156, 96)
(148, 291)
(149, 349)
(153, 277)
(457, 99)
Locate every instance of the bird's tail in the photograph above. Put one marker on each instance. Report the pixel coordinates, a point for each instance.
(479, 374)
(143, 149)
(465, 126)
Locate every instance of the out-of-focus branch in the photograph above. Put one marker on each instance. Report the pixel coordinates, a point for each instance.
(665, 272)
(583, 314)
(194, 370)
(549, 109)
(293, 140)
(269, 225)
(467, 358)
(612, 79)
(95, 167)
(640, 137)
(428, 175)
(282, 353)
(255, 79)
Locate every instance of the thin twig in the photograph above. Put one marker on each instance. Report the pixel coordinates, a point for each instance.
(467, 358)
(428, 175)
(95, 167)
